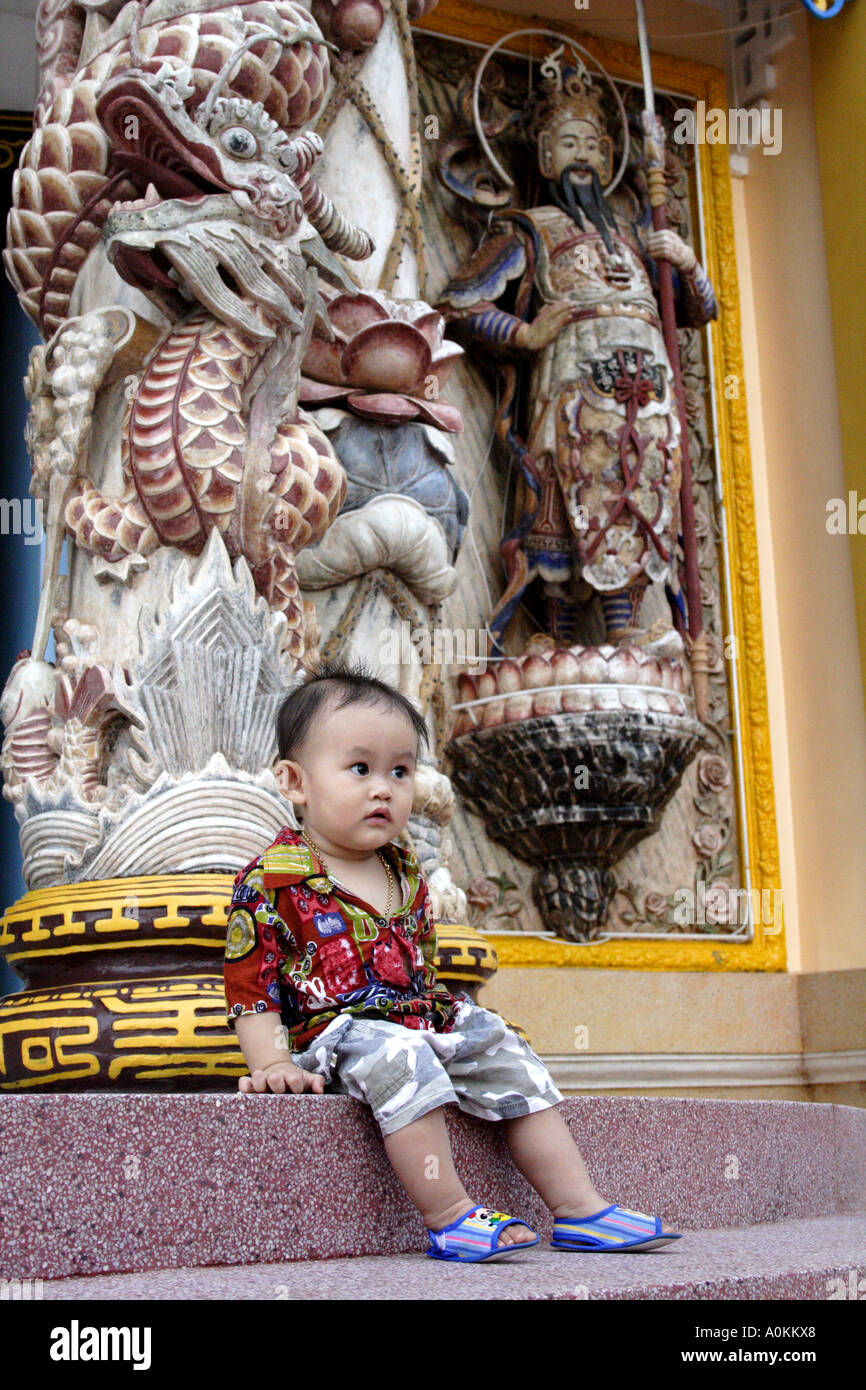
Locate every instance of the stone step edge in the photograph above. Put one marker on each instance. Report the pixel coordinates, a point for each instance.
(182, 1224)
(835, 1271)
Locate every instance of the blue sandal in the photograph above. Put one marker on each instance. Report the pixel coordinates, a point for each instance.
(473, 1238)
(614, 1228)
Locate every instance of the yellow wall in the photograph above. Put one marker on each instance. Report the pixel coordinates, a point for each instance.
(816, 698)
(838, 52)
(779, 738)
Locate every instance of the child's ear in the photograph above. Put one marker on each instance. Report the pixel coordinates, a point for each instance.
(288, 777)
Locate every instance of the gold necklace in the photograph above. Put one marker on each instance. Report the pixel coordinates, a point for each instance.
(386, 865)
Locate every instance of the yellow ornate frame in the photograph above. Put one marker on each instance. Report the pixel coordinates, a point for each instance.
(458, 19)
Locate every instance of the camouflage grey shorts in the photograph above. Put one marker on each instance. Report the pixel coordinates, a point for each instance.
(401, 1073)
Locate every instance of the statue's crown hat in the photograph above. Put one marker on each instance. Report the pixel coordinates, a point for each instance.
(565, 93)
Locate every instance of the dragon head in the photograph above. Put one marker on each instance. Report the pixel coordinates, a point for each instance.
(207, 136)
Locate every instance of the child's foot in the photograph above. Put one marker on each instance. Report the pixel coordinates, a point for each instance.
(592, 1208)
(612, 1228)
(516, 1235)
(512, 1235)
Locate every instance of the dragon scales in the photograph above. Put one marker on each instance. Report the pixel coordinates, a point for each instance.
(211, 438)
(167, 237)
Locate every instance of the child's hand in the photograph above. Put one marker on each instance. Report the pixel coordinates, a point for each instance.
(281, 1077)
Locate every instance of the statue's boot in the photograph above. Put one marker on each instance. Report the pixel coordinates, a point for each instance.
(621, 609)
(660, 639)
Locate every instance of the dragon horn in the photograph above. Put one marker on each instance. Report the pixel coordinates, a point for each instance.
(336, 231)
(135, 53)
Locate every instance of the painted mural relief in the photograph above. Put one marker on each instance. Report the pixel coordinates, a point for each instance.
(312, 384)
(585, 609)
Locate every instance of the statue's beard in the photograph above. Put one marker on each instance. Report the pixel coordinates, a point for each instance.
(584, 201)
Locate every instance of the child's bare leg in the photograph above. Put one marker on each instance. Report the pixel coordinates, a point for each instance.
(420, 1154)
(545, 1153)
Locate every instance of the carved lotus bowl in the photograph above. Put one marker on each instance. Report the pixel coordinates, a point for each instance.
(584, 785)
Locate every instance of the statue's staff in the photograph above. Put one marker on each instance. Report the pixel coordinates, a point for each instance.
(654, 156)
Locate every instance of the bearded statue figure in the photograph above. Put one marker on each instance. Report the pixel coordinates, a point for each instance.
(596, 507)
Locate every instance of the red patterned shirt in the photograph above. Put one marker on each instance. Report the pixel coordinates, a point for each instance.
(301, 945)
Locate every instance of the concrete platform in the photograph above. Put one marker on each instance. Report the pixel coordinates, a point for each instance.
(819, 1259)
(132, 1182)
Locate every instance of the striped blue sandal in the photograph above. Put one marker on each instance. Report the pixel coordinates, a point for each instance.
(614, 1228)
(473, 1238)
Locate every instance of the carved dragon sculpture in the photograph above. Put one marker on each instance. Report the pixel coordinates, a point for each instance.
(179, 144)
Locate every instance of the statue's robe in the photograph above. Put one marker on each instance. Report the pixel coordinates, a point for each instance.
(600, 465)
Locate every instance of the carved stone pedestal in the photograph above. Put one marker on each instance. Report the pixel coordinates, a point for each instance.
(125, 985)
(572, 793)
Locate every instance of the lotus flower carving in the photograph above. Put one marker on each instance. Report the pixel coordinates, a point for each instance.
(388, 361)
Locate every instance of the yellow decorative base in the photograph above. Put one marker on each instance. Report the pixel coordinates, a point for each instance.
(165, 1034)
(75, 923)
(125, 986)
(464, 956)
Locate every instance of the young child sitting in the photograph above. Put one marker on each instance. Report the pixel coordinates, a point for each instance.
(329, 953)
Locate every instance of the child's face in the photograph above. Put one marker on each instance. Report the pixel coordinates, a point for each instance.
(353, 763)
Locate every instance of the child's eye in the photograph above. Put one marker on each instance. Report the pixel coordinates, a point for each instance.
(402, 769)
(364, 768)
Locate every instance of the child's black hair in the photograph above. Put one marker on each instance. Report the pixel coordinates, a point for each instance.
(353, 685)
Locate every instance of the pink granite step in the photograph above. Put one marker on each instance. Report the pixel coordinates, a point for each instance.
(127, 1182)
(819, 1258)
